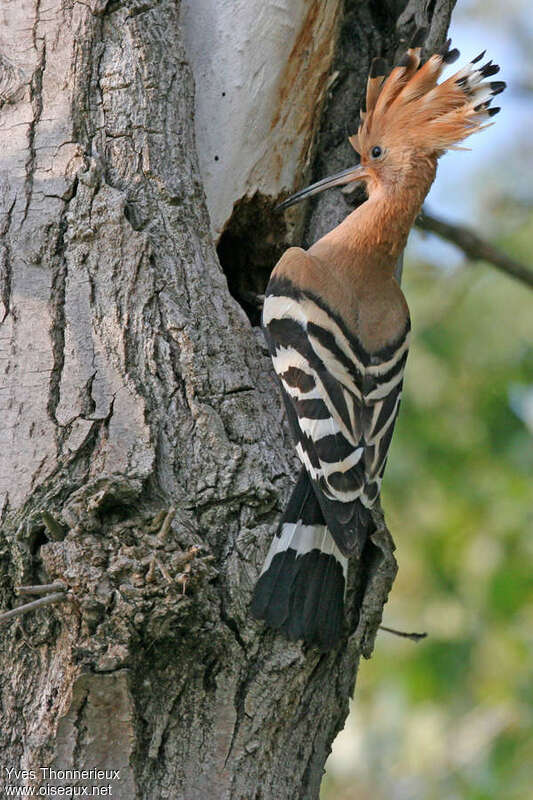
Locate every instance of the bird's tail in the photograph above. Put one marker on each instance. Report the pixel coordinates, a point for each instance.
(301, 588)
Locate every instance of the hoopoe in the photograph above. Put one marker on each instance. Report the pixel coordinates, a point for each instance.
(337, 325)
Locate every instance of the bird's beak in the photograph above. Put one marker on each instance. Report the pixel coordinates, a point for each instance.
(350, 175)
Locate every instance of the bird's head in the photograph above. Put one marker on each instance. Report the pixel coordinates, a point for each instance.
(410, 119)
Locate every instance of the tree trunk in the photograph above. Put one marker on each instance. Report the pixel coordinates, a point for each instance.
(143, 456)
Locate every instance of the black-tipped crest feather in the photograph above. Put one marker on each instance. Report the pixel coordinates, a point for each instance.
(489, 69)
(404, 61)
(378, 68)
(436, 116)
(451, 56)
(497, 87)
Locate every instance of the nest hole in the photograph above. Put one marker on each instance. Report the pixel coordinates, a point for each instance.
(37, 539)
(251, 244)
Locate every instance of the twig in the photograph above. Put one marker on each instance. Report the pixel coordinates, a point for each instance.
(56, 530)
(183, 579)
(188, 556)
(151, 570)
(414, 637)
(474, 247)
(163, 571)
(42, 588)
(167, 522)
(42, 601)
(157, 521)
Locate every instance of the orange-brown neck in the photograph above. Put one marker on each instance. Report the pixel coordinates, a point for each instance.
(372, 237)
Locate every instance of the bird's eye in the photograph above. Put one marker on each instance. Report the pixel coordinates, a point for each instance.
(376, 151)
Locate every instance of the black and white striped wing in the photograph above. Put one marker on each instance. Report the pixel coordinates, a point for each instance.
(341, 404)
(382, 391)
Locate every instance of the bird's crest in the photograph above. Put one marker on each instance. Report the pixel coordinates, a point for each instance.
(426, 115)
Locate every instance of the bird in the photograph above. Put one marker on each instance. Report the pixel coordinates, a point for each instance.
(337, 326)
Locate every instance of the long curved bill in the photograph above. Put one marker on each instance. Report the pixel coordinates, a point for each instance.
(349, 175)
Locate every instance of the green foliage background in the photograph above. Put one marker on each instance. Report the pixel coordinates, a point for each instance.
(451, 718)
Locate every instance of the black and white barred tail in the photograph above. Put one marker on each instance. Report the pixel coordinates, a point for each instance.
(300, 591)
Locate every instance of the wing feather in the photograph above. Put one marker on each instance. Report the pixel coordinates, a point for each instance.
(341, 403)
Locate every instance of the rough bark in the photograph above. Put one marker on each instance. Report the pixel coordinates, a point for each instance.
(132, 382)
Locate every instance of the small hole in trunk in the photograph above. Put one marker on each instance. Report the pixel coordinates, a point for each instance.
(251, 244)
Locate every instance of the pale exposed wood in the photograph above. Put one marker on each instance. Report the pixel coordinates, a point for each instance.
(259, 92)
